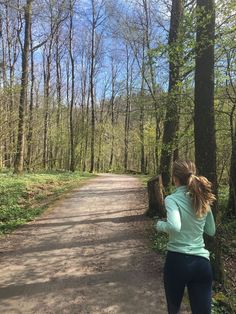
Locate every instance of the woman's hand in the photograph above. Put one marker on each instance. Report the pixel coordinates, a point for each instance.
(157, 219)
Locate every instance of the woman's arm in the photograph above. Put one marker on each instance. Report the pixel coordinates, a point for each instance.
(210, 227)
(173, 222)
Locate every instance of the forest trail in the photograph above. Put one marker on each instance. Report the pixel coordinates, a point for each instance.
(90, 254)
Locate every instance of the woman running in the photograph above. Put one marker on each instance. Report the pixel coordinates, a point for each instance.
(187, 263)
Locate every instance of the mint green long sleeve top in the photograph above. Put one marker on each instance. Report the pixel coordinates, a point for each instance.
(184, 228)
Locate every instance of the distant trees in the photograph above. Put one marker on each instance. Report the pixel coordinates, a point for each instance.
(111, 87)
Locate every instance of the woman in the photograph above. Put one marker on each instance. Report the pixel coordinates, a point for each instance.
(188, 217)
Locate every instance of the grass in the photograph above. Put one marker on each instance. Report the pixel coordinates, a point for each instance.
(143, 178)
(24, 197)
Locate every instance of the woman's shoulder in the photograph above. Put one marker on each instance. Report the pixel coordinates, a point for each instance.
(177, 196)
(170, 198)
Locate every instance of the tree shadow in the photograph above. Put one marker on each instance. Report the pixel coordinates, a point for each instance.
(124, 289)
(104, 192)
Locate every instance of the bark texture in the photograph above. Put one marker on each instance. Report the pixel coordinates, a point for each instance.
(172, 116)
(19, 160)
(204, 119)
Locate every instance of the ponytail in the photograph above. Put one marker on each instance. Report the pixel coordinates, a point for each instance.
(200, 190)
(199, 187)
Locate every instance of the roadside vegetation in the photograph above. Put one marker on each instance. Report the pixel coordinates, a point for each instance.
(22, 198)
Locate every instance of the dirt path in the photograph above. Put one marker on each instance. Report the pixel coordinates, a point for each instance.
(89, 255)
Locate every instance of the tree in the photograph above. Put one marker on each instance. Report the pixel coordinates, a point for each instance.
(14, 25)
(58, 57)
(204, 121)
(19, 161)
(231, 93)
(204, 118)
(142, 117)
(127, 107)
(97, 20)
(112, 104)
(31, 116)
(232, 177)
(171, 117)
(72, 100)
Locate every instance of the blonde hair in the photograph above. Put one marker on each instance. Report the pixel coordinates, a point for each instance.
(199, 187)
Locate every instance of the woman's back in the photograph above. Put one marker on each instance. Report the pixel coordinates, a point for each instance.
(184, 228)
(188, 217)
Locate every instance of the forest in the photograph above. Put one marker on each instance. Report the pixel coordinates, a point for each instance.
(97, 86)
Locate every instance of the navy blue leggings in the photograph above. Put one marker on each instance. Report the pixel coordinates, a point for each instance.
(192, 271)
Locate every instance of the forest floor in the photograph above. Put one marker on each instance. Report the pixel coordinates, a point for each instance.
(90, 253)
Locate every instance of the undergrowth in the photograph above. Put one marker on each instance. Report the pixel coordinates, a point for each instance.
(24, 197)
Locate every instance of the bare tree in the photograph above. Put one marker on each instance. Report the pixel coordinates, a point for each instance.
(31, 105)
(97, 20)
(72, 100)
(142, 116)
(112, 104)
(127, 107)
(14, 24)
(19, 161)
(59, 100)
(231, 94)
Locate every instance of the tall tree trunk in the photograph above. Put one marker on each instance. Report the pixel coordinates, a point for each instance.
(141, 117)
(83, 130)
(171, 117)
(47, 143)
(3, 71)
(92, 72)
(47, 75)
(59, 103)
(204, 118)
(112, 102)
(67, 161)
(147, 30)
(98, 166)
(19, 160)
(141, 126)
(2, 83)
(232, 177)
(30, 131)
(10, 145)
(86, 134)
(127, 113)
(72, 144)
(3, 54)
(231, 92)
